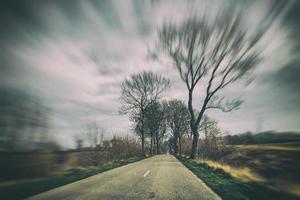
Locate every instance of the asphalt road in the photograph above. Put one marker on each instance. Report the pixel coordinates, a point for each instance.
(159, 177)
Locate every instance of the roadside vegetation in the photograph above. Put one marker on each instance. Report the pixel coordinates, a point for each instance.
(275, 164)
(232, 188)
(29, 173)
(246, 168)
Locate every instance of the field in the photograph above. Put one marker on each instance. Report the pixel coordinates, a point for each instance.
(275, 167)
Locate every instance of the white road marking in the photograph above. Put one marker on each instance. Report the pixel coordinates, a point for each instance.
(146, 173)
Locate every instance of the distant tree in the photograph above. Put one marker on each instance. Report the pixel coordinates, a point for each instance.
(178, 120)
(95, 133)
(78, 142)
(155, 123)
(216, 51)
(212, 137)
(138, 93)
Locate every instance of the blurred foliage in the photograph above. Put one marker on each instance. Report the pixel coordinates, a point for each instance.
(38, 164)
(23, 122)
(277, 163)
(21, 190)
(230, 188)
(262, 138)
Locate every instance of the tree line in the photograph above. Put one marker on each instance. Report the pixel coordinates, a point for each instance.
(266, 137)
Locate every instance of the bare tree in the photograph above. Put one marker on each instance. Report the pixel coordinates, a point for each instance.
(95, 133)
(216, 52)
(212, 135)
(79, 142)
(137, 94)
(155, 123)
(178, 119)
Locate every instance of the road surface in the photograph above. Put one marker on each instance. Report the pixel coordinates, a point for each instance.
(159, 177)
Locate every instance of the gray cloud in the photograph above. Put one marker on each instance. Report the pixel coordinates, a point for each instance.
(287, 78)
(285, 82)
(74, 54)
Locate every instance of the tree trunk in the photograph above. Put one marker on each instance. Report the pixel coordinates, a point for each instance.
(206, 148)
(143, 134)
(179, 141)
(175, 144)
(143, 144)
(157, 146)
(195, 142)
(194, 127)
(151, 145)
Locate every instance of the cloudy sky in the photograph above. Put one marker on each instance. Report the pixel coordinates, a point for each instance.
(75, 54)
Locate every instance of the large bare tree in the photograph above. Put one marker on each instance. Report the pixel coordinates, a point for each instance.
(213, 53)
(138, 93)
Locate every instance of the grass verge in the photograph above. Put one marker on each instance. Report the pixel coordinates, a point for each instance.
(25, 189)
(230, 188)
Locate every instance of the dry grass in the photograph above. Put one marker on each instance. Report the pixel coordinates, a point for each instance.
(275, 165)
(286, 186)
(243, 173)
(231, 188)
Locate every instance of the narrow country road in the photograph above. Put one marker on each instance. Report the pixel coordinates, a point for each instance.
(159, 177)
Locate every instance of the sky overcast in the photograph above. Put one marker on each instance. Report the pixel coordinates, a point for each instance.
(75, 54)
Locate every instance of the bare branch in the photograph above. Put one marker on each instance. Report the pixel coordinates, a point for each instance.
(224, 104)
